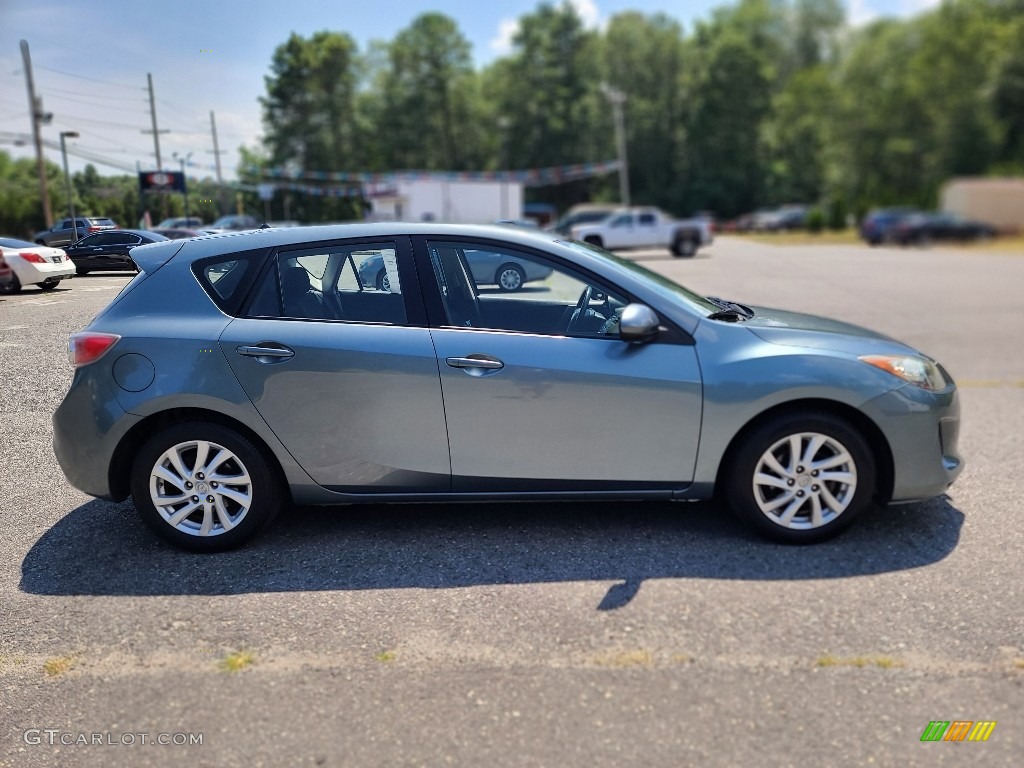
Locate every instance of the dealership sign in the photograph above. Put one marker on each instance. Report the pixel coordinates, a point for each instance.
(161, 181)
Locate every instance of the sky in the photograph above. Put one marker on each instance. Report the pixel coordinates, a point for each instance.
(213, 56)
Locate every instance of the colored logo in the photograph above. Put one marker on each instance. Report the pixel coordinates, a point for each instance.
(958, 730)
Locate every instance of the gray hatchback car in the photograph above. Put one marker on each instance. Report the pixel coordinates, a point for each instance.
(239, 373)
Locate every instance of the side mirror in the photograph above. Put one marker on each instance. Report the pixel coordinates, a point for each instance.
(638, 323)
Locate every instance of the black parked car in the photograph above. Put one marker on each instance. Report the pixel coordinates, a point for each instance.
(109, 250)
(64, 231)
(880, 224)
(926, 227)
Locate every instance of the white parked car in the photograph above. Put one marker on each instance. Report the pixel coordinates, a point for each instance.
(34, 265)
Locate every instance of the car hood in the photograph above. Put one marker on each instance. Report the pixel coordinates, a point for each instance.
(795, 329)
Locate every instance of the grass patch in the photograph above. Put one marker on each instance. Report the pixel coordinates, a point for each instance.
(386, 657)
(237, 661)
(58, 665)
(623, 659)
(883, 662)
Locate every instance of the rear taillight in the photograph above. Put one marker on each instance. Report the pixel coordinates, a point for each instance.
(35, 258)
(87, 347)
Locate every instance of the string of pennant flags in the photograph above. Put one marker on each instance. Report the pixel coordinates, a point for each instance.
(529, 177)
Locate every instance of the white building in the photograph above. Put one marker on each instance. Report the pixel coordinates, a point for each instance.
(442, 200)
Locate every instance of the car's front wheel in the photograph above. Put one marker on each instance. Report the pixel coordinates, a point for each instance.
(802, 478)
(204, 487)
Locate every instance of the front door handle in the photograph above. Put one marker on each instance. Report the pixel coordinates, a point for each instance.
(266, 354)
(476, 365)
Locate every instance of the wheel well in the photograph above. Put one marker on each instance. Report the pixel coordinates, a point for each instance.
(132, 442)
(593, 240)
(876, 440)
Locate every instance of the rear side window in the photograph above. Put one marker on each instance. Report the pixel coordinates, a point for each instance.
(228, 278)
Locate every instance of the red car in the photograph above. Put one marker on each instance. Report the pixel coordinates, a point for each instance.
(6, 273)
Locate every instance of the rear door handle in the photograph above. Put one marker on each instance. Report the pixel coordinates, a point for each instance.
(476, 365)
(278, 353)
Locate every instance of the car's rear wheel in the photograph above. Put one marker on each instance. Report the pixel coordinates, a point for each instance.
(204, 487)
(12, 287)
(684, 245)
(802, 478)
(510, 277)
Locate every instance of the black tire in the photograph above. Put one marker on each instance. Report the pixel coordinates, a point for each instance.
(48, 286)
(12, 287)
(684, 245)
(510, 277)
(745, 500)
(265, 489)
(382, 282)
(594, 240)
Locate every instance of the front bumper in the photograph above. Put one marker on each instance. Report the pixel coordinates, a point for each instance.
(922, 429)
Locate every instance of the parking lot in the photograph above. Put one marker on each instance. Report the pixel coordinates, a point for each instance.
(653, 634)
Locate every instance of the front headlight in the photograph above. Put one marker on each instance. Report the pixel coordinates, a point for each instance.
(918, 371)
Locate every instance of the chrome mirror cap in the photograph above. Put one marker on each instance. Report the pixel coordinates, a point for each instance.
(638, 323)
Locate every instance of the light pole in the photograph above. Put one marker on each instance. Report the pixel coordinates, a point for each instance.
(67, 179)
(618, 99)
(184, 185)
(503, 125)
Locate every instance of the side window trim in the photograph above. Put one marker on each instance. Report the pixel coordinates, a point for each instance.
(416, 315)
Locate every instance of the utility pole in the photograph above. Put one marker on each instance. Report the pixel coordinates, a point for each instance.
(35, 109)
(217, 152)
(156, 133)
(618, 99)
(156, 137)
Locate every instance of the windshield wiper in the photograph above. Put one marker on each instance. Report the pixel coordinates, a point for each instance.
(729, 309)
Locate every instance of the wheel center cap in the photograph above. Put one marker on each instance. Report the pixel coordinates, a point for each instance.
(203, 487)
(803, 481)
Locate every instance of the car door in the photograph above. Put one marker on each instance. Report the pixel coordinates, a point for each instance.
(344, 374)
(114, 248)
(539, 392)
(620, 232)
(647, 230)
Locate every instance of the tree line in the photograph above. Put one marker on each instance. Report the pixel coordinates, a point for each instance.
(764, 103)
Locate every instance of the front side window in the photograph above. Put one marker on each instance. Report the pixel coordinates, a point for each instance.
(498, 288)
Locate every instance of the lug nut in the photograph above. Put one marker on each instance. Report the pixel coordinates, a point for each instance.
(799, 471)
(814, 473)
(210, 499)
(195, 498)
(800, 494)
(790, 481)
(200, 475)
(215, 485)
(188, 484)
(814, 487)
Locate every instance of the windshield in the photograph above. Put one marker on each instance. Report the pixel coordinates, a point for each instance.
(665, 287)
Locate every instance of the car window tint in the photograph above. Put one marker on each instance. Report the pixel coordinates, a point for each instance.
(646, 218)
(346, 283)
(502, 289)
(225, 276)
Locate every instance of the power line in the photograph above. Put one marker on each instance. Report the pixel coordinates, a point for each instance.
(91, 79)
(62, 97)
(140, 99)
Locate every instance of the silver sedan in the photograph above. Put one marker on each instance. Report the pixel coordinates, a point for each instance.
(237, 375)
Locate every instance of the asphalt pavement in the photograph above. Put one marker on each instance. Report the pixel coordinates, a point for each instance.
(652, 634)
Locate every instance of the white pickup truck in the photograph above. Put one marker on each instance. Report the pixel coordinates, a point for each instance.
(646, 228)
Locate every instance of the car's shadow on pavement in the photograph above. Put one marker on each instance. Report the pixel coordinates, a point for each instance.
(103, 549)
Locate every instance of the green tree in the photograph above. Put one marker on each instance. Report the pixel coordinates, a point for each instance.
(428, 104)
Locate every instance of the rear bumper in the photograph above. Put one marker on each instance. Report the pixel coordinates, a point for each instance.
(30, 274)
(922, 429)
(87, 427)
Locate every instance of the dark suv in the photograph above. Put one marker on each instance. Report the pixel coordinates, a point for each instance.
(63, 232)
